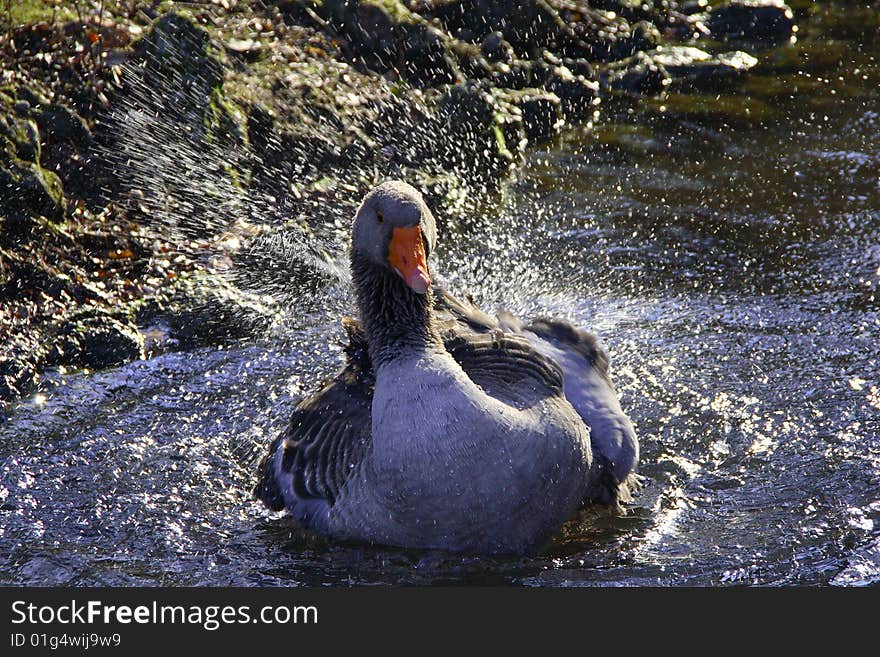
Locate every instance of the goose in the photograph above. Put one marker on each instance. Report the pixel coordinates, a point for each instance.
(447, 428)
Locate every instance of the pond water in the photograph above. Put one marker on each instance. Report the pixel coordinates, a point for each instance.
(732, 268)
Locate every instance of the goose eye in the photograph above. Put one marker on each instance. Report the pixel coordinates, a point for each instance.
(379, 217)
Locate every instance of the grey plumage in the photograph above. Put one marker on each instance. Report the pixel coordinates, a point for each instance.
(442, 430)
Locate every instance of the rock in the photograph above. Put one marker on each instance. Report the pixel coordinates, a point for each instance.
(528, 26)
(172, 108)
(691, 7)
(541, 110)
(579, 67)
(695, 69)
(95, 340)
(177, 47)
(467, 116)
(496, 49)
(30, 276)
(205, 309)
(752, 20)
(66, 141)
(679, 67)
(284, 154)
(639, 74)
(385, 36)
(425, 58)
(35, 98)
(23, 137)
(26, 189)
(521, 74)
(18, 376)
(48, 135)
(632, 10)
(577, 93)
(509, 120)
(60, 123)
(177, 72)
(603, 36)
(642, 36)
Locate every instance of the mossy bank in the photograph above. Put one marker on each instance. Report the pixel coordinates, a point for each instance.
(146, 147)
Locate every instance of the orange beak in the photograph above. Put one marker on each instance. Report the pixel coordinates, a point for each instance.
(406, 254)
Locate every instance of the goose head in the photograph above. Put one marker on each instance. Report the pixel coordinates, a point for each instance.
(395, 230)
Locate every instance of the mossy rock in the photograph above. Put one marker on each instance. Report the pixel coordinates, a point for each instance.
(469, 118)
(60, 123)
(508, 120)
(176, 79)
(225, 123)
(21, 137)
(696, 70)
(386, 36)
(528, 26)
(26, 189)
(203, 309)
(182, 69)
(752, 20)
(95, 340)
(541, 110)
(639, 74)
(37, 138)
(577, 93)
(175, 45)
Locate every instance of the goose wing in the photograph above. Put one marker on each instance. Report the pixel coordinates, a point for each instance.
(326, 438)
(589, 388)
(587, 384)
(505, 366)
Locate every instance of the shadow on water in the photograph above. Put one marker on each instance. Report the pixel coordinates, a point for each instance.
(731, 267)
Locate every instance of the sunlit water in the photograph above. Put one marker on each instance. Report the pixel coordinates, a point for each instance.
(731, 270)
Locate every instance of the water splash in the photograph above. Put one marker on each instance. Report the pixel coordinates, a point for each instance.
(189, 187)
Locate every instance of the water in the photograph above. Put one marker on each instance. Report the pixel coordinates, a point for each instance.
(733, 271)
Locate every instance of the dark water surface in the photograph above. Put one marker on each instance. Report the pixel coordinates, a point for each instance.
(731, 266)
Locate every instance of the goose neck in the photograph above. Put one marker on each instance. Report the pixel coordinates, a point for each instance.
(399, 323)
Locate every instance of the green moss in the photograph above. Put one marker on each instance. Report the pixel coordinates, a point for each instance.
(28, 12)
(224, 121)
(324, 185)
(24, 135)
(780, 86)
(226, 125)
(31, 190)
(805, 56)
(625, 136)
(501, 142)
(711, 106)
(8, 150)
(52, 184)
(396, 10)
